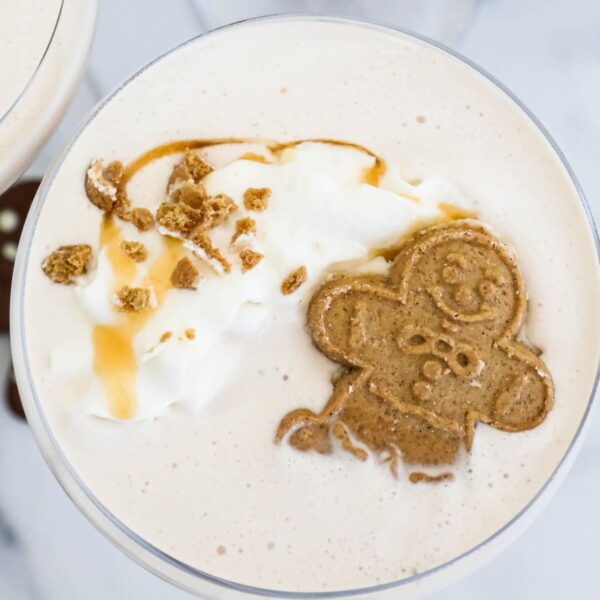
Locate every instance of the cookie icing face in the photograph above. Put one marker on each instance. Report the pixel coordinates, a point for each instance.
(427, 352)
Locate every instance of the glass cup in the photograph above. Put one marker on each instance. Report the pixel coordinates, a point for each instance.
(194, 580)
(39, 106)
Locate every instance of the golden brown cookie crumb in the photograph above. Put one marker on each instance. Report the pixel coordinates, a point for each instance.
(178, 217)
(250, 259)
(191, 170)
(185, 181)
(122, 205)
(101, 184)
(245, 226)
(142, 219)
(257, 199)
(135, 250)
(215, 209)
(185, 275)
(190, 333)
(115, 172)
(188, 192)
(294, 280)
(67, 262)
(195, 167)
(165, 337)
(201, 239)
(418, 477)
(133, 299)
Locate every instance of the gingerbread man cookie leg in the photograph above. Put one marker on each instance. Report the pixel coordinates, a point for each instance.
(304, 420)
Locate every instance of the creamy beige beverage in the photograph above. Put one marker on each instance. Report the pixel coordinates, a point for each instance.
(43, 46)
(167, 401)
(26, 28)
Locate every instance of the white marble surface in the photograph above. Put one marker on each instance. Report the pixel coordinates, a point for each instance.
(548, 53)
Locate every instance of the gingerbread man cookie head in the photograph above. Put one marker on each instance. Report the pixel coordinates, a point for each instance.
(460, 274)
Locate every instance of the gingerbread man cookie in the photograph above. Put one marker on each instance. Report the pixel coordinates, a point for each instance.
(427, 352)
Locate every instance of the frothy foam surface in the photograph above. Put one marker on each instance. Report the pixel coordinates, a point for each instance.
(204, 481)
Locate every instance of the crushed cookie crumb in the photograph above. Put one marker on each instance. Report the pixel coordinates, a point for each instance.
(185, 276)
(115, 172)
(122, 206)
(166, 336)
(67, 262)
(179, 174)
(142, 219)
(196, 166)
(190, 333)
(294, 280)
(192, 169)
(257, 199)
(190, 193)
(133, 299)
(250, 259)
(178, 217)
(201, 239)
(245, 226)
(216, 209)
(101, 184)
(135, 250)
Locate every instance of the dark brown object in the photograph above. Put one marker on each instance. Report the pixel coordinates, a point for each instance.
(14, 206)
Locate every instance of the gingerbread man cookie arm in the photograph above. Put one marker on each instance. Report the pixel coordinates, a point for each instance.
(534, 371)
(321, 306)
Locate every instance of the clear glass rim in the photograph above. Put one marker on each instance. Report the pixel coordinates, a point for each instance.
(30, 81)
(58, 462)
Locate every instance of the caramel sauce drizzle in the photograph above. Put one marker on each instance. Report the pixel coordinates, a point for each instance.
(371, 175)
(453, 213)
(114, 357)
(115, 362)
(255, 158)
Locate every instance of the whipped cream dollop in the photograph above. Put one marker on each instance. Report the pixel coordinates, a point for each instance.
(321, 215)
